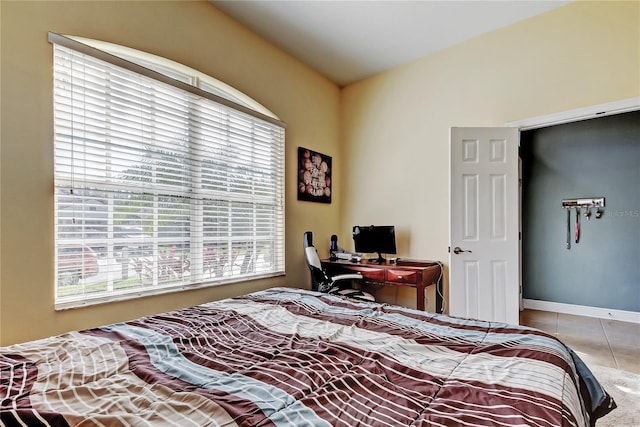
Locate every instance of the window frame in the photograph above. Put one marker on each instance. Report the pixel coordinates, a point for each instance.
(248, 107)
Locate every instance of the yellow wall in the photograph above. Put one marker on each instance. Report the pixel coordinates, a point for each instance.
(193, 33)
(395, 126)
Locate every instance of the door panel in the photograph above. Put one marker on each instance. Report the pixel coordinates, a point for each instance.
(470, 203)
(484, 273)
(471, 289)
(498, 207)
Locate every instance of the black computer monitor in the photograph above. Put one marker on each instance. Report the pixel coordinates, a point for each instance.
(380, 239)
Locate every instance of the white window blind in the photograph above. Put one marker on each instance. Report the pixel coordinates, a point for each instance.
(157, 187)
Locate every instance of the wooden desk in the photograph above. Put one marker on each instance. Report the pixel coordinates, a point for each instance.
(412, 273)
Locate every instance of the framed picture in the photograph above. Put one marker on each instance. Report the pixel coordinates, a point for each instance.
(314, 176)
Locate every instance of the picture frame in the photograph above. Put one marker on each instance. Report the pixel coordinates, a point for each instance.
(314, 176)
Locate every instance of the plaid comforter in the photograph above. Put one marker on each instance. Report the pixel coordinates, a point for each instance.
(289, 357)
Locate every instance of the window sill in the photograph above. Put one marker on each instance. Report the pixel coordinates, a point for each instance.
(73, 303)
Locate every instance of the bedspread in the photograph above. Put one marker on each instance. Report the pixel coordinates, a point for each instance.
(290, 357)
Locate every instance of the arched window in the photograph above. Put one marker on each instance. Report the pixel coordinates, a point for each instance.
(165, 179)
(178, 72)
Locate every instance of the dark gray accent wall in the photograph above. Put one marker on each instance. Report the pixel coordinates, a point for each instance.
(591, 158)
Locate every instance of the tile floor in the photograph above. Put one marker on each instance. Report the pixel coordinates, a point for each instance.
(602, 342)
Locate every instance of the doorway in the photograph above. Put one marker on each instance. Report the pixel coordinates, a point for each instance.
(583, 257)
(603, 110)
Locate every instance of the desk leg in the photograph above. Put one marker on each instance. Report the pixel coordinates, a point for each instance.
(420, 297)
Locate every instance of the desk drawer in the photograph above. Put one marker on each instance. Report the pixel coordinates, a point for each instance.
(369, 273)
(402, 276)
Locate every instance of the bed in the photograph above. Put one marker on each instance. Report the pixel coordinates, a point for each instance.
(291, 357)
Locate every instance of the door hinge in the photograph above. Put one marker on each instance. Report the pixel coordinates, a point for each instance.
(449, 249)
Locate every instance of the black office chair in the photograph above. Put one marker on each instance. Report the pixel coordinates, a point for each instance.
(320, 281)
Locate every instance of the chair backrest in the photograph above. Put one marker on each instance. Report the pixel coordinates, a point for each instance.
(310, 252)
(319, 279)
(312, 257)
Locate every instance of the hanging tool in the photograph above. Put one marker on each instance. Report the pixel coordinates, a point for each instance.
(568, 228)
(598, 213)
(587, 213)
(577, 224)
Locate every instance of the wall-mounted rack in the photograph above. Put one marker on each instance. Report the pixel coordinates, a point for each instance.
(578, 204)
(588, 202)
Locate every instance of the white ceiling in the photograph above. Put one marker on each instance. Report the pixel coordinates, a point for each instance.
(350, 40)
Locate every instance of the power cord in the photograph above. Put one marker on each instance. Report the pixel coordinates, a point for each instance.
(439, 291)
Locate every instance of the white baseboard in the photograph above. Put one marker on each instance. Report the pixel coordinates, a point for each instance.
(582, 310)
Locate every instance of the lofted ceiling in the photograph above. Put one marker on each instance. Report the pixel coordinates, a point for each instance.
(347, 41)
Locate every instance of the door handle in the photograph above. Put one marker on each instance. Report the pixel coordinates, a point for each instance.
(457, 250)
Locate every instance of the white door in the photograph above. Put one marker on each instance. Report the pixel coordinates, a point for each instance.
(484, 272)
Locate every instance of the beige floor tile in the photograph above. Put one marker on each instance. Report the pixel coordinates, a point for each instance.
(623, 327)
(587, 344)
(627, 363)
(539, 315)
(544, 320)
(579, 324)
(597, 359)
(622, 332)
(604, 342)
(543, 326)
(622, 346)
(627, 357)
(624, 340)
